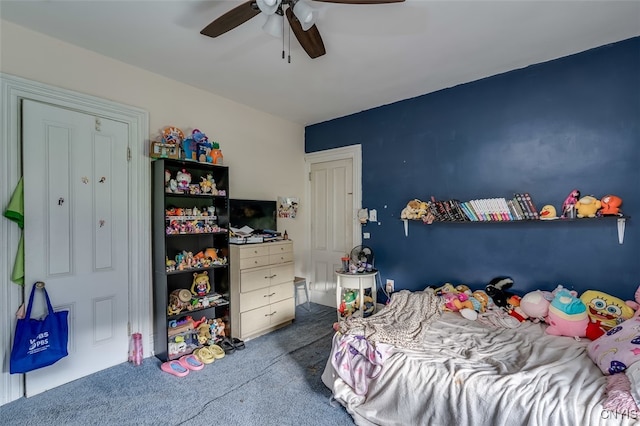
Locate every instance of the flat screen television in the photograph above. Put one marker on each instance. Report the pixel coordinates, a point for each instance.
(259, 215)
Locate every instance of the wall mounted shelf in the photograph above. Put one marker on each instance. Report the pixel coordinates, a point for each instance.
(620, 220)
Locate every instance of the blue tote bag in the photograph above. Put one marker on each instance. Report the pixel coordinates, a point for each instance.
(39, 342)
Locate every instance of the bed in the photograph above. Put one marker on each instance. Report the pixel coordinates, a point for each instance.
(413, 365)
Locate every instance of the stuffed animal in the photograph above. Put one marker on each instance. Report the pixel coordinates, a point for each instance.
(604, 309)
(548, 212)
(536, 304)
(588, 206)
(567, 315)
(183, 179)
(417, 210)
(569, 203)
(635, 305)
(610, 205)
(497, 289)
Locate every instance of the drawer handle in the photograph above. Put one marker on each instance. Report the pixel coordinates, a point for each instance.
(270, 276)
(268, 295)
(271, 314)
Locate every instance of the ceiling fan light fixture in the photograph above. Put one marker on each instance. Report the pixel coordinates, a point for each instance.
(274, 25)
(305, 14)
(268, 7)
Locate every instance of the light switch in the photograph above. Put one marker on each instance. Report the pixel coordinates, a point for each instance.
(373, 215)
(366, 235)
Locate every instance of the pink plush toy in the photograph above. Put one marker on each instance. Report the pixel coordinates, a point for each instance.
(567, 315)
(536, 305)
(635, 305)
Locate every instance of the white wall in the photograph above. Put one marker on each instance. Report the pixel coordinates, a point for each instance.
(265, 154)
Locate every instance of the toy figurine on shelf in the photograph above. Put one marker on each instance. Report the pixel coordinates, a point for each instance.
(200, 285)
(216, 154)
(183, 179)
(610, 206)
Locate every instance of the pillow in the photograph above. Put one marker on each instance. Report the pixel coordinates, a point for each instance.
(618, 348)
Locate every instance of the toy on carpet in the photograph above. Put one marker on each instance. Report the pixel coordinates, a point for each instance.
(610, 205)
(588, 206)
(497, 289)
(567, 315)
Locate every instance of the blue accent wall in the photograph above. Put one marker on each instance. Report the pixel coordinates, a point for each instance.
(546, 129)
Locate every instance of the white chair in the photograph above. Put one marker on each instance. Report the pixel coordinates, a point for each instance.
(300, 282)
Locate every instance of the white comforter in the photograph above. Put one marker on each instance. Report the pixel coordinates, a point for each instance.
(471, 374)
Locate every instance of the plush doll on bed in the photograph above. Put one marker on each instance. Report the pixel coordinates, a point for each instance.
(605, 312)
(497, 289)
(567, 315)
(536, 305)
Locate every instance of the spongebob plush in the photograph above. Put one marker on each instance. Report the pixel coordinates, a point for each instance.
(605, 309)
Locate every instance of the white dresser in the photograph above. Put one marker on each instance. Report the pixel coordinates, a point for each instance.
(262, 290)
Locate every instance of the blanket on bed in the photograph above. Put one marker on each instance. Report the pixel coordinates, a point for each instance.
(403, 323)
(466, 373)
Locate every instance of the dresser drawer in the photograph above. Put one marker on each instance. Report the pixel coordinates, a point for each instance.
(254, 299)
(280, 258)
(282, 274)
(281, 248)
(253, 251)
(280, 292)
(255, 320)
(254, 262)
(252, 280)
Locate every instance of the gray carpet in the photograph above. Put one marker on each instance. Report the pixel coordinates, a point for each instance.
(274, 381)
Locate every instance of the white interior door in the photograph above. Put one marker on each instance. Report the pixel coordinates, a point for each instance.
(76, 231)
(332, 218)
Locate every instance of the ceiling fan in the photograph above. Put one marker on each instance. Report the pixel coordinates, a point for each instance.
(299, 13)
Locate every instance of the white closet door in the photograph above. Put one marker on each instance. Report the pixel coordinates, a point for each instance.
(76, 230)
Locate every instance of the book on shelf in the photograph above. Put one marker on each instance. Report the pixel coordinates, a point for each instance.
(526, 213)
(527, 206)
(532, 208)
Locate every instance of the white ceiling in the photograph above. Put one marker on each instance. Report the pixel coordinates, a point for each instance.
(376, 54)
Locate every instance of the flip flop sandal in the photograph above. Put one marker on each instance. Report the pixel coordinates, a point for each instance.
(227, 346)
(216, 351)
(191, 362)
(237, 343)
(204, 355)
(175, 368)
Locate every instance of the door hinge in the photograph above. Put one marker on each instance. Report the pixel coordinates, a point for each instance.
(128, 154)
(309, 176)
(129, 328)
(98, 124)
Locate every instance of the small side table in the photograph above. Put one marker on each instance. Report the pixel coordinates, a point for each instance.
(361, 282)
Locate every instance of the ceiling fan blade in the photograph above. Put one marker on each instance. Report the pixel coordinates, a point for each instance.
(233, 18)
(361, 1)
(310, 40)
